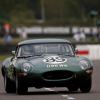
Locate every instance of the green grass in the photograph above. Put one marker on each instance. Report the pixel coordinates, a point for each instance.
(15, 41)
(2, 57)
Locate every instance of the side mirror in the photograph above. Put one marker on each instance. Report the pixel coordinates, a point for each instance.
(13, 53)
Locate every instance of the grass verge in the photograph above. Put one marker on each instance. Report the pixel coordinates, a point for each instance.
(2, 57)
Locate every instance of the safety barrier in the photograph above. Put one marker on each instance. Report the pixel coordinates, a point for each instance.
(89, 51)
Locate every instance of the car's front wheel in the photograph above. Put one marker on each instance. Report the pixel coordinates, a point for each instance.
(20, 87)
(72, 88)
(85, 85)
(9, 85)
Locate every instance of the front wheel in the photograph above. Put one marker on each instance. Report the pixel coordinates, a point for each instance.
(20, 87)
(72, 88)
(85, 86)
(9, 85)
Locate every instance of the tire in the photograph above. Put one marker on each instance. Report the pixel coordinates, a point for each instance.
(20, 87)
(72, 88)
(85, 86)
(9, 85)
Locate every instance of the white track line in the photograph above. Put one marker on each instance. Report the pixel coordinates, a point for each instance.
(68, 97)
(64, 96)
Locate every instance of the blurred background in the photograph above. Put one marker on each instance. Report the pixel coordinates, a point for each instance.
(75, 20)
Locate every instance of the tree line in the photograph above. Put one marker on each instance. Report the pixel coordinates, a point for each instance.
(53, 11)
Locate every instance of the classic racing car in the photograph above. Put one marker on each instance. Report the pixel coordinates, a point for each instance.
(46, 63)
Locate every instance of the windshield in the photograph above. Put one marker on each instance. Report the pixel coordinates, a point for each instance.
(40, 49)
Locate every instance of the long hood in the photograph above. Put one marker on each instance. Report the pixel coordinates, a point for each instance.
(54, 62)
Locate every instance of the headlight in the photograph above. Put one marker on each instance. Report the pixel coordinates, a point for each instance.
(84, 64)
(26, 67)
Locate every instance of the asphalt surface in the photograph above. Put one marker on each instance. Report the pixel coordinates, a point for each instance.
(56, 93)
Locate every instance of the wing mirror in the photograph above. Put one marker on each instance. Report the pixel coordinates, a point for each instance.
(13, 53)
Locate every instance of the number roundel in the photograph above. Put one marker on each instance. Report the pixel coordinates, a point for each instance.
(54, 60)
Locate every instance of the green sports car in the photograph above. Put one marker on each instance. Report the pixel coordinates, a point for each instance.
(46, 63)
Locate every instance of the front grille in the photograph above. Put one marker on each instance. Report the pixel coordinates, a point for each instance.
(55, 75)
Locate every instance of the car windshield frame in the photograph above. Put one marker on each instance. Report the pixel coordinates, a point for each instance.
(39, 54)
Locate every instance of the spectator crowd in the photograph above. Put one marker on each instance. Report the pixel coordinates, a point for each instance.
(77, 33)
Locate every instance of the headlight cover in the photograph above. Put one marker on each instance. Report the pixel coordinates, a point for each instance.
(84, 64)
(26, 67)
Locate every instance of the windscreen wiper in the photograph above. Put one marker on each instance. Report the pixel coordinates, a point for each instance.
(25, 56)
(69, 55)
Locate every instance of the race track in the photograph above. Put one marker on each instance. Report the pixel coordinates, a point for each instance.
(57, 93)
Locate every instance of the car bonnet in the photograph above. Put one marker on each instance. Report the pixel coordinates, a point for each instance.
(55, 62)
